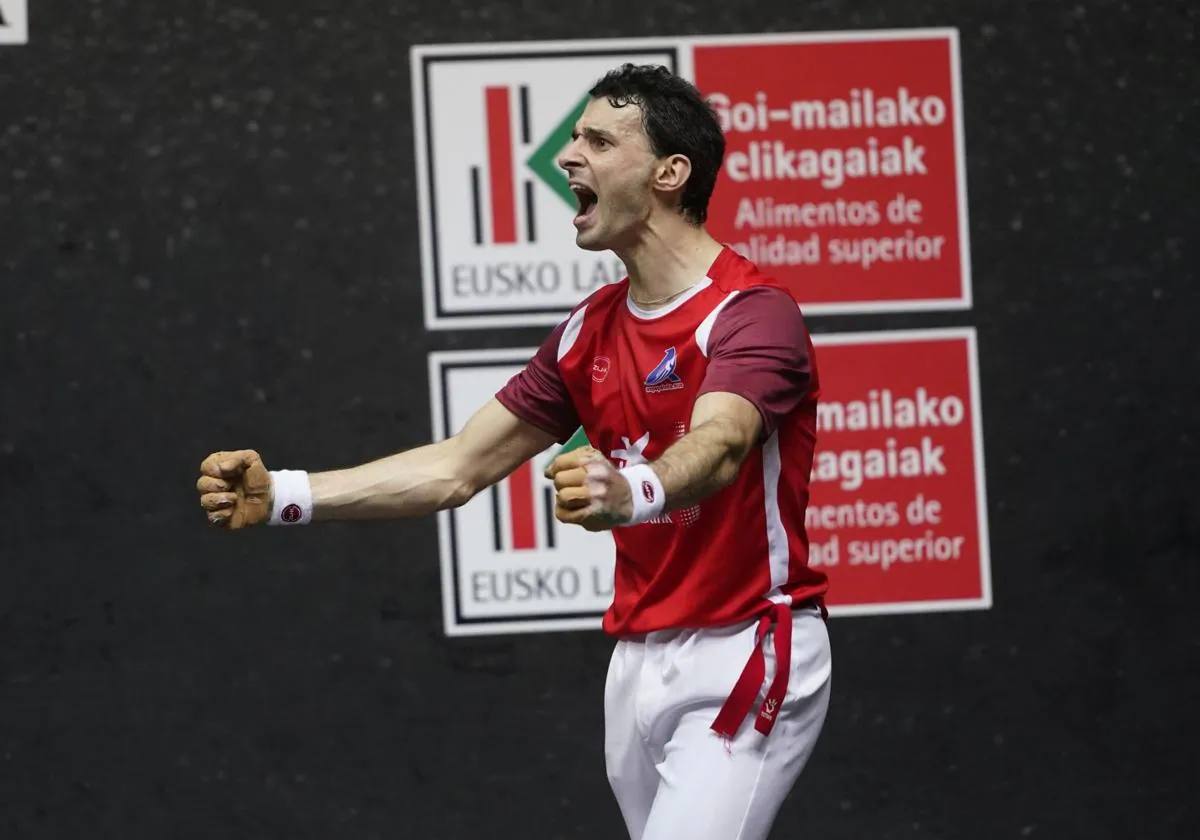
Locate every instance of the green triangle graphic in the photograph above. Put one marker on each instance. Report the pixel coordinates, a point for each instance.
(542, 160)
(576, 440)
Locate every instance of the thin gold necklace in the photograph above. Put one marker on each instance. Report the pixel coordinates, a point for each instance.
(661, 299)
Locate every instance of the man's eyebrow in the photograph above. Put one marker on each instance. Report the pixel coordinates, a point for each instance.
(594, 133)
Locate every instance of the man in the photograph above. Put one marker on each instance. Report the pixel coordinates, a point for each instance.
(696, 377)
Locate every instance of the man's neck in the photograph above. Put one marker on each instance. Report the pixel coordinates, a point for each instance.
(669, 257)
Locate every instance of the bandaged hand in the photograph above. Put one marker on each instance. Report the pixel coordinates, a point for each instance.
(590, 491)
(235, 489)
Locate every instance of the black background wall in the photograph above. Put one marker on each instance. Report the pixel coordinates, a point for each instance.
(208, 240)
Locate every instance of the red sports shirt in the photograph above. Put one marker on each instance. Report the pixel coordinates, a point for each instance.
(631, 377)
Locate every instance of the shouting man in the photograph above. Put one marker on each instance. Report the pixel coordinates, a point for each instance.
(694, 378)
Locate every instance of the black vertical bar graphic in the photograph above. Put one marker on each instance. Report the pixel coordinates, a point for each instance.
(525, 114)
(475, 205)
(497, 538)
(548, 503)
(530, 227)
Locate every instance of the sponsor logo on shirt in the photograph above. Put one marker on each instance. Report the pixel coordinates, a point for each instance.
(632, 453)
(664, 377)
(600, 366)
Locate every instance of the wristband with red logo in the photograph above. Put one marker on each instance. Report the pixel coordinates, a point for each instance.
(292, 503)
(649, 498)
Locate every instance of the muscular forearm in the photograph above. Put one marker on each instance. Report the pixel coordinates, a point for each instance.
(236, 491)
(411, 483)
(591, 493)
(700, 463)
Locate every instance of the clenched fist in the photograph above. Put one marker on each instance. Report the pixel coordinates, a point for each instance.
(591, 492)
(235, 489)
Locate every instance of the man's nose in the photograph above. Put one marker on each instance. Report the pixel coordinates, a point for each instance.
(569, 157)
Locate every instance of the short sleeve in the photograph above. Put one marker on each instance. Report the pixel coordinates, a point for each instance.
(538, 394)
(759, 349)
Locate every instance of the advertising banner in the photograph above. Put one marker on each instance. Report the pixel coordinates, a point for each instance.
(844, 174)
(896, 516)
(498, 247)
(508, 566)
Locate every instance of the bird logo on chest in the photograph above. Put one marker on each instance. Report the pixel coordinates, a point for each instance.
(664, 377)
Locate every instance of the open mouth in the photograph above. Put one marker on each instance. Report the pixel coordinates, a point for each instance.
(587, 203)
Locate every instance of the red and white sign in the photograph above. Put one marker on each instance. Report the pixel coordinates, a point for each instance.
(844, 171)
(896, 518)
(498, 246)
(897, 515)
(508, 566)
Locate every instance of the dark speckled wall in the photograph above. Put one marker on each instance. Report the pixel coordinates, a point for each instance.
(208, 239)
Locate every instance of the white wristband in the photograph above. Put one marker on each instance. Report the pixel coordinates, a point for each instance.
(647, 491)
(292, 503)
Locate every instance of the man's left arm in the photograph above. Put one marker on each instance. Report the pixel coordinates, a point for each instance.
(594, 494)
(760, 370)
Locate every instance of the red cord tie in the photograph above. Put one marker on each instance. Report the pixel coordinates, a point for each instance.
(738, 704)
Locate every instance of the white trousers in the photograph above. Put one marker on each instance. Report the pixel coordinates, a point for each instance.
(674, 777)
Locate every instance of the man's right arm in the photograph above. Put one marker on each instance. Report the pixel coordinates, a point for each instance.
(527, 415)
(441, 475)
(236, 490)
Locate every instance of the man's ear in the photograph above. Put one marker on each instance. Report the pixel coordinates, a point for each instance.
(671, 173)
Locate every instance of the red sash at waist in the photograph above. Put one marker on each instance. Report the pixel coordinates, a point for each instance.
(738, 704)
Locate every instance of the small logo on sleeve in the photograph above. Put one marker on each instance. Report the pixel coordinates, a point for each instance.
(664, 377)
(290, 514)
(648, 491)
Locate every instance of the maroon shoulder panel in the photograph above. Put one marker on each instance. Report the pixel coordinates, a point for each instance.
(758, 349)
(538, 394)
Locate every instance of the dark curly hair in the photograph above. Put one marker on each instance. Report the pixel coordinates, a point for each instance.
(678, 122)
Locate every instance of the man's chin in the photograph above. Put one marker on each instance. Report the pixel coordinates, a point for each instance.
(590, 239)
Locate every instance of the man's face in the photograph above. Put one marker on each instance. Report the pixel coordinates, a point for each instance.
(610, 165)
